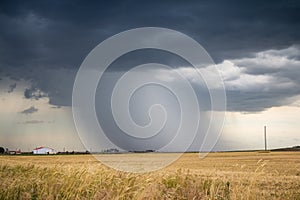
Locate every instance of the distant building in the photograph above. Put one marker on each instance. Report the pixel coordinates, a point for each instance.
(112, 150)
(15, 152)
(43, 150)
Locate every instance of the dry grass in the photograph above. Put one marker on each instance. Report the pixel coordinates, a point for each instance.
(246, 175)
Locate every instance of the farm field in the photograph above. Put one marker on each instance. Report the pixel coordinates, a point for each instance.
(228, 175)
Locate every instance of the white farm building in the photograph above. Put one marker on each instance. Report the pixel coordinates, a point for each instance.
(43, 150)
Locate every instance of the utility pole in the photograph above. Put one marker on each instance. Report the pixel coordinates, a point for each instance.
(265, 131)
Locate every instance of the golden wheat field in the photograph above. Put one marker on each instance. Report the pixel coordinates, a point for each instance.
(234, 175)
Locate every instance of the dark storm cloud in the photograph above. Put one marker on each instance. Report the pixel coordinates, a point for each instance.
(12, 87)
(61, 33)
(30, 110)
(34, 93)
(46, 41)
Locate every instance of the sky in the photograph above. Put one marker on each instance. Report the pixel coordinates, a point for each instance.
(255, 45)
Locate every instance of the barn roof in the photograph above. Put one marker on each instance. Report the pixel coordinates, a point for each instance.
(42, 148)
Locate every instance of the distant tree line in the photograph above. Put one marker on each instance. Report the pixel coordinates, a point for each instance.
(73, 152)
(111, 150)
(3, 150)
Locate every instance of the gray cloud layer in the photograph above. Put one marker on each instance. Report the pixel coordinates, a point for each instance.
(267, 79)
(60, 34)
